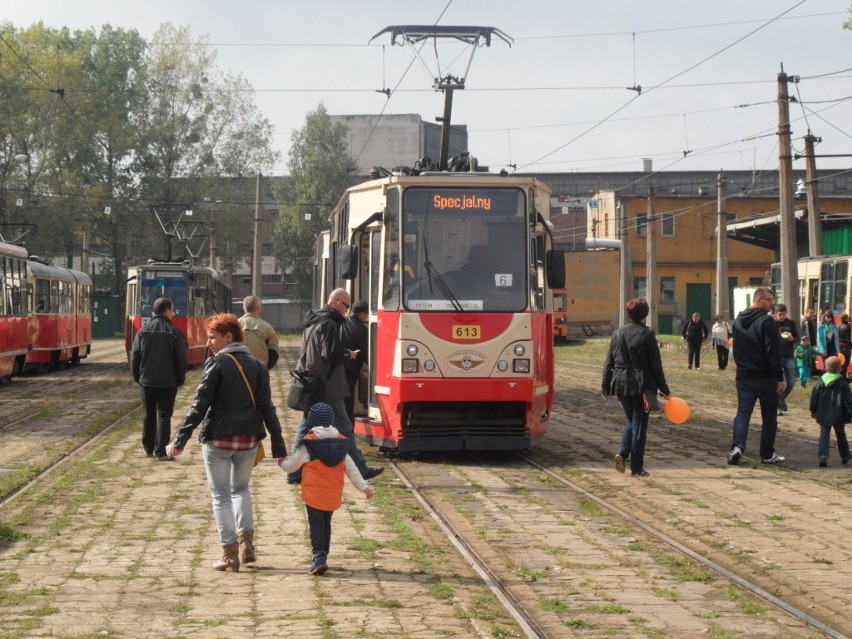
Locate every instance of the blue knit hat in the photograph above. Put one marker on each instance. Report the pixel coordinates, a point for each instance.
(320, 415)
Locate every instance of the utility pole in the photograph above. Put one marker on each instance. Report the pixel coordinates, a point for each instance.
(625, 267)
(722, 248)
(789, 252)
(651, 268)
(256, 282)
(814, 214)
(84, 264)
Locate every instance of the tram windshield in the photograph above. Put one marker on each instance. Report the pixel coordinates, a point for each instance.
(463, 249)
(156, 284)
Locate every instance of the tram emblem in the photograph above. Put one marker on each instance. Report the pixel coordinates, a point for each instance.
(466, 361)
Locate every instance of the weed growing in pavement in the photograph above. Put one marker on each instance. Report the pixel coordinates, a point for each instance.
(528, 574)
(553, 605)
(365, 545)
(748, 605)
(443, 591)
(577, 624)
(823, 560)
(590, 508)
(667, 593)
(718, 632)
(685, 569)
(499, 631)
(609, 609)
(775, 517)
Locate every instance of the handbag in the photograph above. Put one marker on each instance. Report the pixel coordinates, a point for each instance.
(305, 391)
(260, 452)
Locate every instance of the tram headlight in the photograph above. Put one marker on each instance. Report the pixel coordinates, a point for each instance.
(520, 350)
(410, 365)
(502, 366)
(429, 365)
(521, 365)
(411, 349)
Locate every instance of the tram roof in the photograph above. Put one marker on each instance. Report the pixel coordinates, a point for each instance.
(39, 269)
(13, 250)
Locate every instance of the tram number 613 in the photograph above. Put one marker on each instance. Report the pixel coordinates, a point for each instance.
(467, 331)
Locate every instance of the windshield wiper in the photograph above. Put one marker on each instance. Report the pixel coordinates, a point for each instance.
(433, 273)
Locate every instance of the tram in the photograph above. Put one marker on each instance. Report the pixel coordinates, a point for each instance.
(60, 300)
(15, 320)
(196, 292)
(824, 283)
(458, 270)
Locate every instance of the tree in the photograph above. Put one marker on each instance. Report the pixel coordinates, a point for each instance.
(320, 170)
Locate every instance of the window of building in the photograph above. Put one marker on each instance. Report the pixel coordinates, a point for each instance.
(667, 290)
(640, 287)
(731, 217)
(641, 226)
(668, 225)
(755, 281)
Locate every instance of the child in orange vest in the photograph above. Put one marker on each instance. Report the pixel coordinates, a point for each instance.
(323, 453)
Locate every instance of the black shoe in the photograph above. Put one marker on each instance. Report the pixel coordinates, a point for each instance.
(823, 462)
(294, 479)
(844, 460)
(640, 473)
(165, 458)
(373, 472)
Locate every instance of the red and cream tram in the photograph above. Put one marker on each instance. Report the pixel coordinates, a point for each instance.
(196, 292)
(60, 299)
(459, 273)
(16, 325)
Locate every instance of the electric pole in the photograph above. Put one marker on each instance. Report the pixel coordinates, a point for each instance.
(814, 215)
(722, 248)
(789, 252)
(256, 282)
(651, 268)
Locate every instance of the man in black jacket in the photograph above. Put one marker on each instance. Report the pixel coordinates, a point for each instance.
(760, 376)
(158, 363)
(353, 335)
(789, 340)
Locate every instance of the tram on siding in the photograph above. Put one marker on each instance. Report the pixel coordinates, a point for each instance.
(196, 292)
(15, 320)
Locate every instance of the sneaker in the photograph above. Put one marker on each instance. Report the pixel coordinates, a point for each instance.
(775, 459)
(698, 368)
(844, 460)
(373, 472)
(165, 458)
(147, 452)
(619, 463)
(640, 473)
(318, 566)
(823, 462)
(780, 412)
(734, 456)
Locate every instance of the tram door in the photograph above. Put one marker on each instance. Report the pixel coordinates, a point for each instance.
(367, 288)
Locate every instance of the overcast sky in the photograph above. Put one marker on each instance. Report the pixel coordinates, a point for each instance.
(557, 99)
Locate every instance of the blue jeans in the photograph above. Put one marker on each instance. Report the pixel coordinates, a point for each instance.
(790, 374)
(748, 394)
(228, 475)
(319, 524)
(343, 426)
(635, 431)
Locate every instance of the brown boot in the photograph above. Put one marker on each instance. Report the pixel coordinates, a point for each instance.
(247, 546)
(230, 559)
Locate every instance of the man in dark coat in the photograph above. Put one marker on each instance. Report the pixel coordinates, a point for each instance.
(695, 334)
(760, 376)
(353, 336)
(158, 364)
(322, 356)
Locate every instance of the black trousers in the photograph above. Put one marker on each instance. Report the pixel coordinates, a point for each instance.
(159, 404)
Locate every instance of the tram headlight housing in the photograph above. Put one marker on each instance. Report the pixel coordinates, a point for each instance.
(411, 349)
(429, 365)
(520, 350)
(502, 366)
(410, 365)
(521, 365)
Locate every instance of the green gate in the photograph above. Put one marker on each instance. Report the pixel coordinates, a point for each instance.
(104, 316)
(698, 301)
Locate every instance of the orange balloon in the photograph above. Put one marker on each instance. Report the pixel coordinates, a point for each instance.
(842, 358)
(677, 410)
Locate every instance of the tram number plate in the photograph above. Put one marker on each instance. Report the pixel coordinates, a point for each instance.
(467, 331)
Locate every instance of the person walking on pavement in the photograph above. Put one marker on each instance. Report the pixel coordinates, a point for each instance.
(323, 455)
(233, 403)
(809, 330)
(828, 337)
(353, 336)
(260, 337)
(695, 334)
(844, 338)
(831, 406)
(634, 368)
(789, 340)
(721, 333)
(158, 364)
(760, 376)
(321, 356)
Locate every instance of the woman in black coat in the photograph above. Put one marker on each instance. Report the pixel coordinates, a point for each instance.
(634, 370)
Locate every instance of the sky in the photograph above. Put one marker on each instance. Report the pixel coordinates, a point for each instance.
(563, 97)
